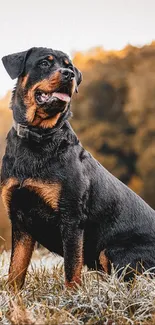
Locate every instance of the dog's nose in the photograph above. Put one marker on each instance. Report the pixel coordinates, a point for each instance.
(67, 74)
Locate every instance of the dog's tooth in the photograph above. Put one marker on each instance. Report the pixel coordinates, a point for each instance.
(44, 96)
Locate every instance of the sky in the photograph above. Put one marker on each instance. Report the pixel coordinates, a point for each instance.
(71, 26)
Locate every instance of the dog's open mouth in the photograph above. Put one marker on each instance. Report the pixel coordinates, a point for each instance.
(43, 97)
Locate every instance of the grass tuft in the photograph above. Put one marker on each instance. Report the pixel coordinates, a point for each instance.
(101, 300)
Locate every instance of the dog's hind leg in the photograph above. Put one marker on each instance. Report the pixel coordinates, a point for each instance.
(22, 248)
(132, 260)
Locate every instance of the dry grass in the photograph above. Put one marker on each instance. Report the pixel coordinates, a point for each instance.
(102, 299)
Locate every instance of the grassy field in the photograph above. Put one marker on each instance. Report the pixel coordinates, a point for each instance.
(101, 300)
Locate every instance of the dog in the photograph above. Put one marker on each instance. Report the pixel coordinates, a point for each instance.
(54, 191)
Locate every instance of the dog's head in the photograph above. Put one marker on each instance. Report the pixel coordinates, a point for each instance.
(46, 82)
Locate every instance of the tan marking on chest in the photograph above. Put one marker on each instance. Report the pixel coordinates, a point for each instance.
(50, 193)
(7, 190)
(104, 261)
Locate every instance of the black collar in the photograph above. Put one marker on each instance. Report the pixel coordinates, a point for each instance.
(24, 132)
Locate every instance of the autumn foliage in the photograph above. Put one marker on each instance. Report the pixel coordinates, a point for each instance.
(114, 115)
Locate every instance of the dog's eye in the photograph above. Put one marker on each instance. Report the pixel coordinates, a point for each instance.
(45, 63)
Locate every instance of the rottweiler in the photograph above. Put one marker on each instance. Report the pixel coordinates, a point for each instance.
(54, 191)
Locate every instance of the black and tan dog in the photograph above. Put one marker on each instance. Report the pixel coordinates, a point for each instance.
(55, 192)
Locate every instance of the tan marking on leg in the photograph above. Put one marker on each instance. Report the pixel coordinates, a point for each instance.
(78, 268)
(77, 275)
(104, 261)
(7, 190)
(50, 193)
(20, 260)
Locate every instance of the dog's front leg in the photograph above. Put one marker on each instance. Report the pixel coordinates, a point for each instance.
(22, 248)
(72, 238)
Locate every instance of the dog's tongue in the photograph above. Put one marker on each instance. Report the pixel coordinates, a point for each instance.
(61, 96)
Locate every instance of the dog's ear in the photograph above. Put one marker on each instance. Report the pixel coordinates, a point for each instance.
(78, 76)
(14, 63)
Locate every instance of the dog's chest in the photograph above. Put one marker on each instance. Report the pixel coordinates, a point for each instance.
(49, 192)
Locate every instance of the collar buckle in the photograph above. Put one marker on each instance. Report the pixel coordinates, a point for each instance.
(22, 131)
